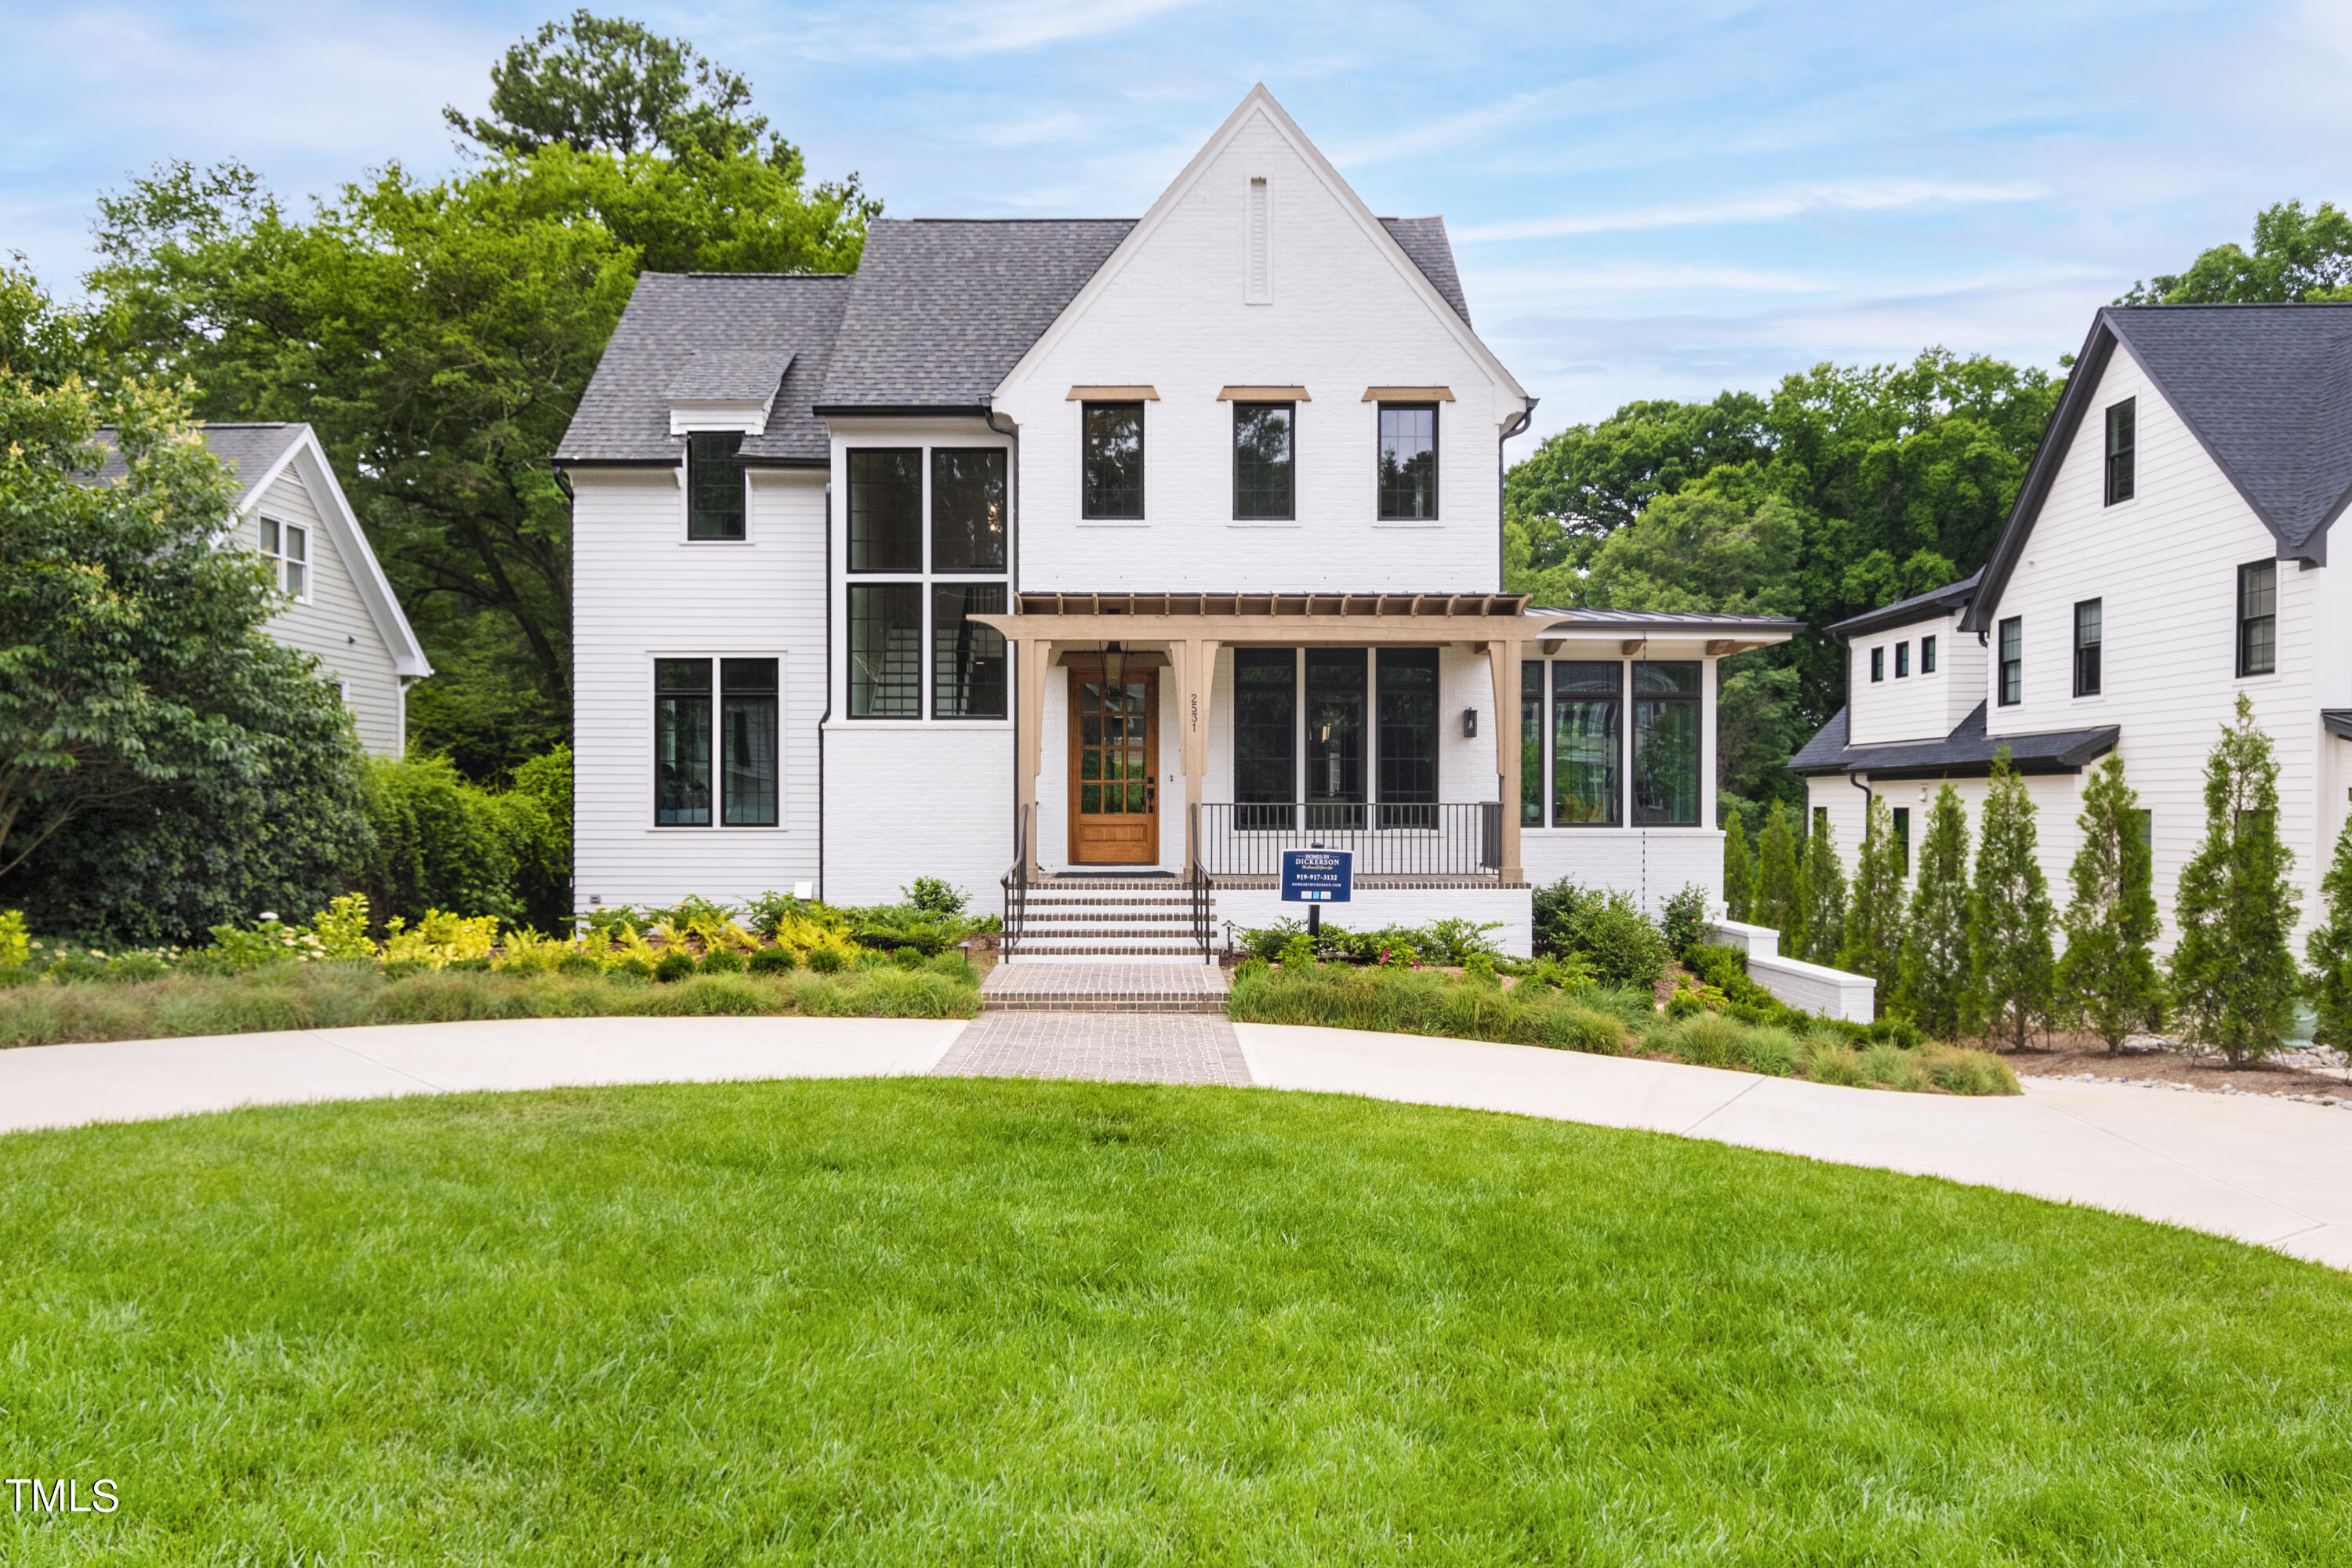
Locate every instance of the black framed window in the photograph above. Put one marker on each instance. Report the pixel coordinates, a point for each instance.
(968, 509)
(2012, 662)
(1902, 660)
(682, 742)
(886, 642)
(2258, 617)
(1113, 478)
(968, 663)
(2123, 436)
(1266, 738)
(749, 732)
(714, 484)
(2088, 632)
(1264, 487)
(1587, 709)
(1408, 460)
(1531, 708)
(1903, 840)
(1408, 739)
(886, 509)
(1877, 664)
(1665, 744)
(1335, 736)
(1927, 655)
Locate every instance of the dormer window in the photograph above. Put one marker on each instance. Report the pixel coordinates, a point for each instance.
(714, 485)
(2122, 440)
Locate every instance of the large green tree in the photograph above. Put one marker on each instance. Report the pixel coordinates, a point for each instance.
(2298, 257)
(2009, 917)
(1779, 900)
(2107, 981)
(1823, 880)
(164, 763)
(1938, 978)
(2233, 977)
(1874, 919)
(439, 333)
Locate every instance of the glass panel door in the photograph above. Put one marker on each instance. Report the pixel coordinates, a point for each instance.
(1114, 758)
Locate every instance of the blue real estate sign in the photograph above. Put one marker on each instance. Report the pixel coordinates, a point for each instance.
(1317, 875)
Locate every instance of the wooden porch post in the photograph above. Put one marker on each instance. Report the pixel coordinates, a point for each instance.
(1196, 667)
(1503, 660)
(1032, 655)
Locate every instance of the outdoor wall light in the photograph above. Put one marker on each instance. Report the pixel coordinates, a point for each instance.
(1114, 663)
(1469, 723)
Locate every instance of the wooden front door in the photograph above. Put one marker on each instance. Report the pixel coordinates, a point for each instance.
(1114, 768)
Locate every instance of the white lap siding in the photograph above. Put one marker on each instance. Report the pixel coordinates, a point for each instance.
(639, 592)
(334, 625)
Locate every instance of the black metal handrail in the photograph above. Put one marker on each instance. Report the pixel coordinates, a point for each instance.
(1016, 884)
(1196, 885)
(1390, 839)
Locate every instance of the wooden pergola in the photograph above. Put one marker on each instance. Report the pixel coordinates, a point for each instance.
(1192, 626)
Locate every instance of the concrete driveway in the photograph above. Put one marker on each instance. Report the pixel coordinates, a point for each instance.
(2269, 1171)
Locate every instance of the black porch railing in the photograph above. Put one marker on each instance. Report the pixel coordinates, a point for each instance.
(1457, 838)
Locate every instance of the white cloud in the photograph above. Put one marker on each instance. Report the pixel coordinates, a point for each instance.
(957, 30)
(1772, 206)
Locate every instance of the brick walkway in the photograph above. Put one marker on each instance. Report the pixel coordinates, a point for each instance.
(1116, 1047)
(1105, 988)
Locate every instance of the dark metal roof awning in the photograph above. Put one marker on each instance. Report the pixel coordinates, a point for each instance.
(1432, 605)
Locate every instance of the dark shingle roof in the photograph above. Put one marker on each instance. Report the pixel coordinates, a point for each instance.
(1423, 239)
(1674, 620)
(249, 449)
(943, 308)
(739, 321)
(1966, 753)
(1941, 601)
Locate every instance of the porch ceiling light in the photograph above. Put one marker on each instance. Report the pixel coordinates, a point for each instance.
(1114, 663)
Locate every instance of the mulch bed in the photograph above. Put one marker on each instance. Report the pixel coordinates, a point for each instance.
(2066, 1056)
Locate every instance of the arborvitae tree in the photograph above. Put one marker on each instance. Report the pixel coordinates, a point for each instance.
(1824, 885)
(1939, 981)
(2232, 975)
(1874, 917)
(1779, 900)
(1738, 868)
(2009, 915)
(2330, 950)
(2107, 982)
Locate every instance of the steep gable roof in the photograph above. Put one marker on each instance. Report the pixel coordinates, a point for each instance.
(1933, 605)
(2266, 389)
(1423, 239)
(676, 321)
(254, 452)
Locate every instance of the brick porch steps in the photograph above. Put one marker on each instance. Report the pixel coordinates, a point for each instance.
(1082, 917)
(1105, 986)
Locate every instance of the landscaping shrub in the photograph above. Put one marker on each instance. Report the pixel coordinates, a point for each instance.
(1684, 919)
(774, 961)
(828, 961)
(723, 961)
(672, 966)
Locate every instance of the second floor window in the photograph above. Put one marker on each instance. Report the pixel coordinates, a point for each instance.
(1902, 659)
(2013, 661)
(1262, 461)
(1927, 655)
(2258, 617)
(1113, 461)
(1408, 462)
(1878, 664)
(287, 546)
(2087, 635)
(968, 509)
(886, 509)
(714, 485)
(2122, 437)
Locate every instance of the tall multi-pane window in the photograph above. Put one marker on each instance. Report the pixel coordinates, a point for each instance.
(1902, 660)
(2123, 438)
(1587, 702)
(287, 546)
(2088, 633)
(2013, 661)
(1408, 460)
(1927, 655)
(1665, 744)
(1263, 485)
(1408, 737)
(1265, 737)
(682, 742)
(2258, 617)
(714, 485)
(967, 657)
(1112, 478)
(748, 732)
(1531, 706)
(1903, 840)
(1335, 736)
(886, 509)
(886, 640)
(968, 509)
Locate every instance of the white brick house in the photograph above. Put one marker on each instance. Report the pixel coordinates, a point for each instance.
(2167, 552)
(1144, 546)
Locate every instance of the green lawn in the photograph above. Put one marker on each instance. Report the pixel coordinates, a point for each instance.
(990, 1321)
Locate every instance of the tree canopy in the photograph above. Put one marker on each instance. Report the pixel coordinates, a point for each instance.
(2298, 257)
(439, 333)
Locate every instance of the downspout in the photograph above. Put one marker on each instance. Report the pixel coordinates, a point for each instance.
(1868, 799)
(1011, 591)
(825, 718)
(563, 483)
(1527, 418)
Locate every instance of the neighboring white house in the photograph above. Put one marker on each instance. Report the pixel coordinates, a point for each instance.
(1143, 548)
(337, 605)
(2167, 552)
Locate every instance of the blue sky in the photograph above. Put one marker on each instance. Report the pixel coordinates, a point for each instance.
(1647, 200)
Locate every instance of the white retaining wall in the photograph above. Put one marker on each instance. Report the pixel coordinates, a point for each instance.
(1814, 987)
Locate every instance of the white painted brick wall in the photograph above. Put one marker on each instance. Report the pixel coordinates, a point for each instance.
(1651, 864)
(908, 801)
